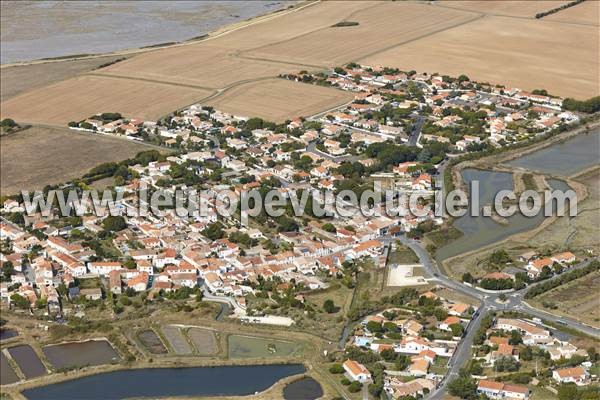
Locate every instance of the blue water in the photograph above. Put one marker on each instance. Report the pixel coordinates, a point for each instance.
(32, 30)
(162, 382)
(565, 159)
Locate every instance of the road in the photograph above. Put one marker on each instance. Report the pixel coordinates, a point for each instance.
(415, 132)
(488, 302)
(312, 148)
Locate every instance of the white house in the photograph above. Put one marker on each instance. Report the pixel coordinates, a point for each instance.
(356, 371)
(576, 375)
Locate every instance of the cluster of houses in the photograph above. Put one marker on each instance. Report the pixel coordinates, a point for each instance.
(535, 264)
(535, 336)
(422, 351)
(507, 115)
(171, 252)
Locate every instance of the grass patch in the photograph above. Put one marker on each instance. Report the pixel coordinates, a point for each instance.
(529, 182)
(443, 236)
(90, 283)
(403, 255)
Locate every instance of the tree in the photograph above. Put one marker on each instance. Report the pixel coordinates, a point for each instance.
(526, 354)
(114, 223)
(375, 390)
(388, 355)
(355, 387)
(515, 338)
(401, 363)
(336, 369)
(467, 277)
(475, 368)
(41, 303)
(499, 257)
(593, 354)
(110, 116)
(329, 228)
(457, 329)
(374, 327)
(463, 387)
(329, 306)
(506, 363)
(8, 123)
(7, 270)
(214, 231)
(19, 301)
(568, 391)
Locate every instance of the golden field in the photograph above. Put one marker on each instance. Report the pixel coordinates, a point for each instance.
(513, 8)
(382, 25)
(204, 65)
(18, 79)
(270, 99)
(83, 96)
(522, 53)
(499, 42)
(587, 12)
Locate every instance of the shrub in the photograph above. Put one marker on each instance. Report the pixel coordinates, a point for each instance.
(336, 369)
(342, 24)
(354, 387)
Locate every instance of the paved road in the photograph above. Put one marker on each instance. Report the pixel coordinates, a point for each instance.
(415, 132)
(488, 302)
(312, 148)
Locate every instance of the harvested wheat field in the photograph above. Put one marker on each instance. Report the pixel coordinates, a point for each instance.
(381, 26)
(527, 54)
(290, 25)
(513, 8)
(214, 63)
(454, 38)
(201, 65)
(20, 78)
(278, 99)
(80, 97)
(39, 156)
(587, 12)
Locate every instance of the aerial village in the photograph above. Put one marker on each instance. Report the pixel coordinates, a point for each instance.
(399, 129)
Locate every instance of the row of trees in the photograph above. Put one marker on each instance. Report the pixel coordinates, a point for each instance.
(557, 9)
(561, 280)
(591, 105)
